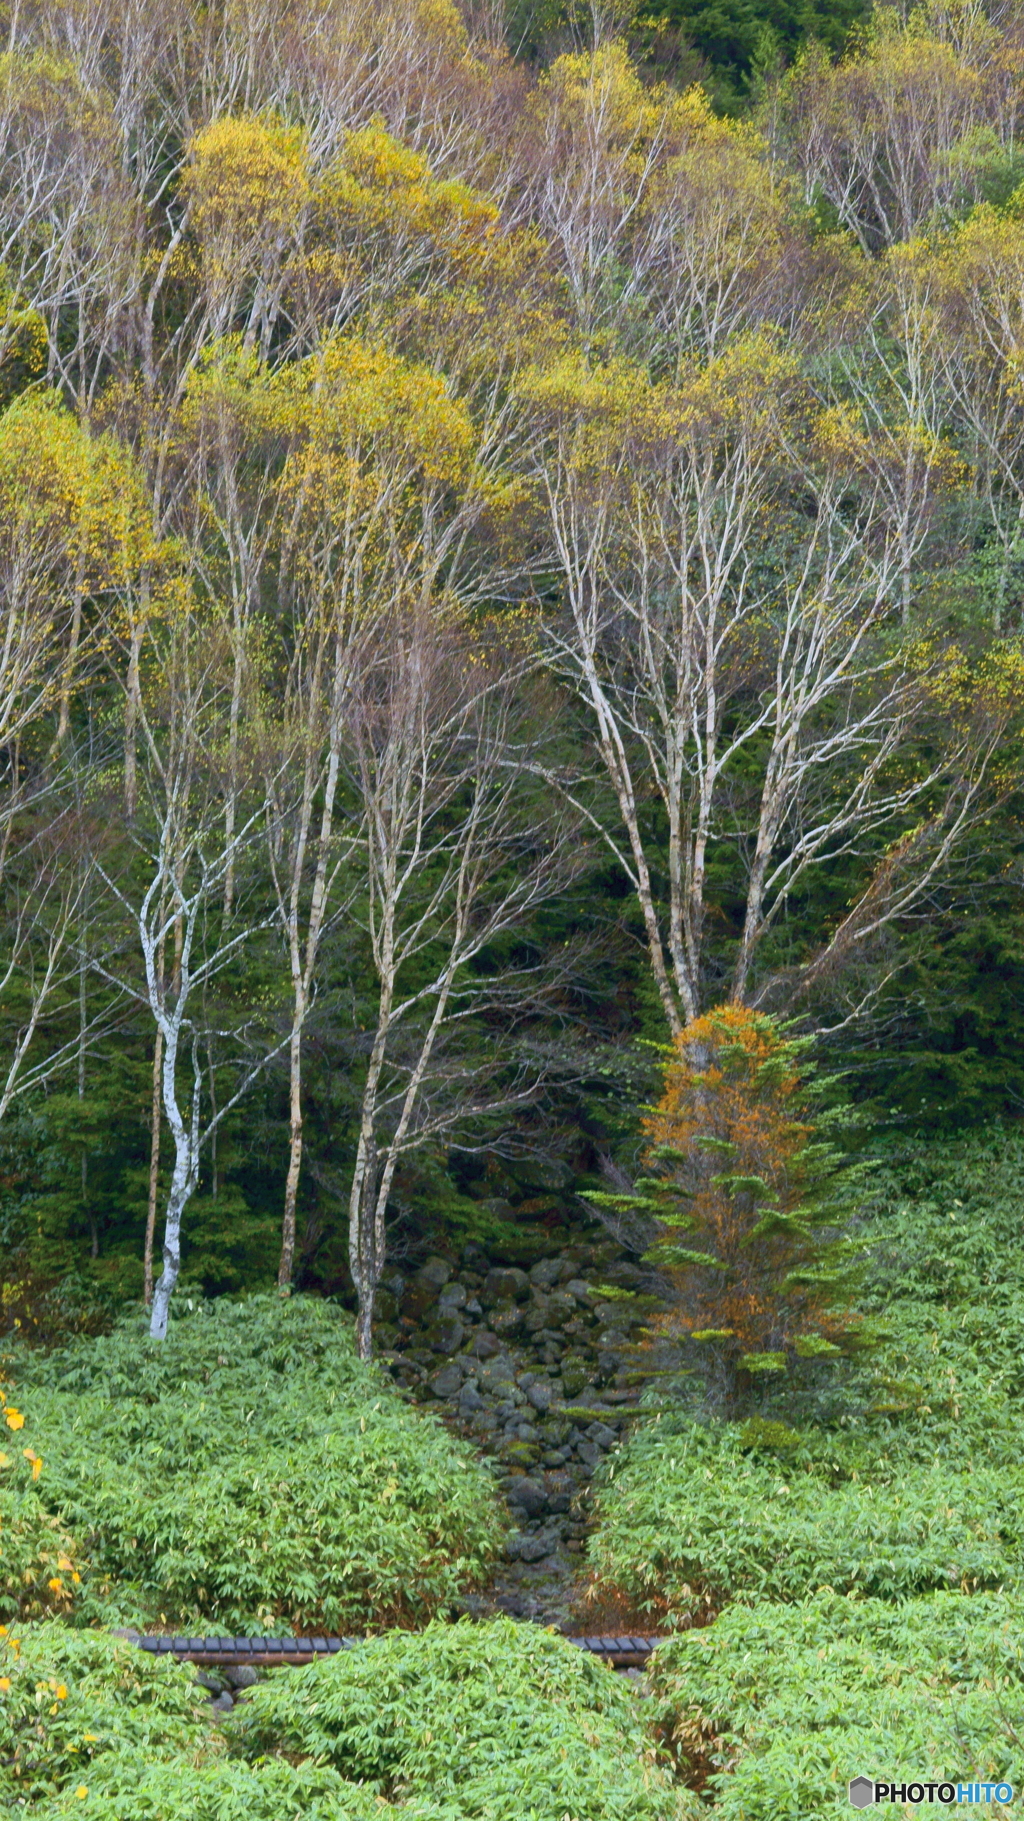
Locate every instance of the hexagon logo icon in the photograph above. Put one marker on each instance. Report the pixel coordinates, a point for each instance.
(862, 1792)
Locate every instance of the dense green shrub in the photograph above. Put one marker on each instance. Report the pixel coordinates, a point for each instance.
(948, 1281)
(38, 1563)
(947, 1387)
(945, 1220)
(911, 1478)
(38, 1570)
(250, 1470)
(70, 1697)
(497, 1722)
(494, 1722)
(93, 1726)
(129, 1787)
(694, 1516)
(777, 1707)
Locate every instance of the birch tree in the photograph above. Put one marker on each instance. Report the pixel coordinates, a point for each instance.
(458, 853)
(603, 138)
(718, 246)
(968, 286)
(724, 641)
(878, 134)
(171, 891)
(378, 497)
(69, 229)
(72, 535)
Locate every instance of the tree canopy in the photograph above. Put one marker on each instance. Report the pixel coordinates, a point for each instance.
(503, 549)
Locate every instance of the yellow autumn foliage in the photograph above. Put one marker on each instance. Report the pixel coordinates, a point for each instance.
(69, 500)
(600, 91)
(247, 182)
(743, 392)
(378, 182)
(367, 404)
(379, 216)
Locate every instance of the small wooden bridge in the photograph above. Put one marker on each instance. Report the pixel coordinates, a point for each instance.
(214, 1653)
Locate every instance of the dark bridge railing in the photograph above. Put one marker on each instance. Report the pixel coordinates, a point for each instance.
(621, 1653)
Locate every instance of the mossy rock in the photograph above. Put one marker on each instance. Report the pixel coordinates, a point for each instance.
(525, 1245)
(576, 1373)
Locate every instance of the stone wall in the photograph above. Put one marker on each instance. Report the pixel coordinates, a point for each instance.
(542, 1367)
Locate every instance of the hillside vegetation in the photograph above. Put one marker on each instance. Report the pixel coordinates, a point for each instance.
(842, 1570)
(454, 1724)
(250, 1474)
(857, 1543)
(511, 713)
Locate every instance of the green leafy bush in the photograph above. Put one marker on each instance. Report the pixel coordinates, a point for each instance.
(694, 1516)
(250, 1470)
(91, 1725)
(948, 1387)
(38, 1571)
(496, 1722)
(948, 1282)
(69, 1697)
(129, 1787)
(911, 1478)
(945, 1221)
(776, 1707)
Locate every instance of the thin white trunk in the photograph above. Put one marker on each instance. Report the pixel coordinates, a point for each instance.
(303, 959)
(291, 1186)
(183, 1176)
(154, 1171)
(365, 1215)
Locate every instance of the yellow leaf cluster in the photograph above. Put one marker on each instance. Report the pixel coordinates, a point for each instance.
(248, 183)
(602, 89)
(378, 204)
(44, 94)
(615, 406)
(71, 497)
(369, 405)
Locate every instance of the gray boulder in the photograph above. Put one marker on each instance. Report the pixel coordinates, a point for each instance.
(527, 1496)
(452, 1297)
(540, 1395)
(578, 1288)
(612, 1339)
(448, 1382)
(535, 1548)
(537, 1314)
(507, 1320)
(498, 1376)
(447, 1335)
(545, 1274)
(434, 1274)
(506, 1283)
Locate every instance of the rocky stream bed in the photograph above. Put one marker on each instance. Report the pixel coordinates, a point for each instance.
(541, 1364)
(542, 1369)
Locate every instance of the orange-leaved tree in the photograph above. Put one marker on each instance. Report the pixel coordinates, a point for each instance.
(751, 1201)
